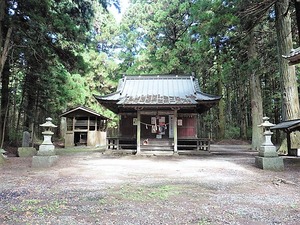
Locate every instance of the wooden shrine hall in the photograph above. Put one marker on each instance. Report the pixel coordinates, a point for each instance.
(158, 113)
(84, 126)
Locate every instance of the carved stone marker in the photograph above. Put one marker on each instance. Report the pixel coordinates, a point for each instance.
(26, 139)
(267, 158)
(25, 150)
(46, 154)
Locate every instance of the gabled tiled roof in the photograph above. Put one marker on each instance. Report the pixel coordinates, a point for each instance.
(82, 110)
(293, 56)
(157, 90)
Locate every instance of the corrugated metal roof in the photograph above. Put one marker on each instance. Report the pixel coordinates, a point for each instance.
(292, 53)
(288, 125)
(164, 86)
(160, 89)
(293, 56)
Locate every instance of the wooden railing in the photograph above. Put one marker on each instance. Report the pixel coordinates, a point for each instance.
(196, 144)
(117, 143)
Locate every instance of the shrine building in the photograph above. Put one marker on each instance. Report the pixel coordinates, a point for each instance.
(158, 113)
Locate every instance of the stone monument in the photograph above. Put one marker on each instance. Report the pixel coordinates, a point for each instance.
(46, 154)
(25, 150)
(26, 139)
(267, 158)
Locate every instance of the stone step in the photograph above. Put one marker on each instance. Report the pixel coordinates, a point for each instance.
(156, 142)
(164, 153)
(157, 147)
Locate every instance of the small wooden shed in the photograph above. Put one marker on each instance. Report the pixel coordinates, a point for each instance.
(84, 126)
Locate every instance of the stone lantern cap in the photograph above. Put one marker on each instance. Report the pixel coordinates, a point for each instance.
(48, 123)
(266, 123)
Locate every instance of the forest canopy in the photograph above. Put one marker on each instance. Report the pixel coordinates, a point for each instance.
(56, 55)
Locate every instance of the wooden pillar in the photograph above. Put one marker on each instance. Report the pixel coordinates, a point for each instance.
(74, 120)
(288, 140)
(118, 137)
(175, 132)
(138, 133)
(96, 122)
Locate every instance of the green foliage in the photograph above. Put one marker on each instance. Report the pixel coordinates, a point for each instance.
(49, 68)
(232, 132)
(64, 52)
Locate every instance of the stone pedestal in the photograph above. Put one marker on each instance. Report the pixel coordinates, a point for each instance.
(269, 163)
(44, 161)
(268, 159)
(27, 152)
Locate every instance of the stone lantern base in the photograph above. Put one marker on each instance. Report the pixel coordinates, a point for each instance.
(45, 156)
(44, 161)
(268, 159)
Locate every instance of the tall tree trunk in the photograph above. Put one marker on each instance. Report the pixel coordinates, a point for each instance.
(4, 100)
(221, 90)
(221, 108)
(2, 15)
(297, 7)
(289, 81)
(256, 97)
(30, 101)
(242, 109)
(290, 97)
(5, 35)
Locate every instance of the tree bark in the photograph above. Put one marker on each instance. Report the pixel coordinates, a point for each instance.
(5, 36)
(4, 100)
(221, 113)
(221, 89)
(256, 97)
(242, 92)
(290, 95)
(5, 50)
(297, 7)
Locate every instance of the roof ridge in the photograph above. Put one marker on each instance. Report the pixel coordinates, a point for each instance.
(156, 75)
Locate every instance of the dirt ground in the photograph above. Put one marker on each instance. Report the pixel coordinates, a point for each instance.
(224, 187)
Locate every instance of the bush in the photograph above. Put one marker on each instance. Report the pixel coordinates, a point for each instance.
(232, 132)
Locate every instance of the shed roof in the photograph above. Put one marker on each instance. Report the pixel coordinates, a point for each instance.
(288, 126)
(163, 90)
(293, 56)
(82, 111)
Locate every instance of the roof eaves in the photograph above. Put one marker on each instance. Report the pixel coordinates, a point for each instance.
(287, 125)
(293, 56)
(85, 109)
(206, 97)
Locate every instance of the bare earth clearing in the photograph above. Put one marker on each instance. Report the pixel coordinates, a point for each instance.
(95, 188)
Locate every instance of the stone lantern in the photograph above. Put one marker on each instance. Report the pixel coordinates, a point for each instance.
(267, 157)
(47, 147)
(46, 154)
